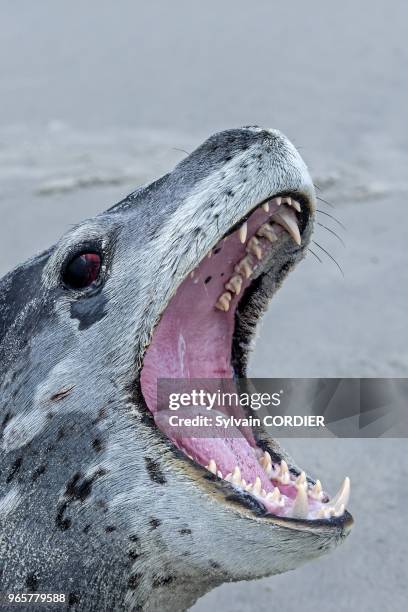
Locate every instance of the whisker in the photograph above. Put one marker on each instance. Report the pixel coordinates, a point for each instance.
(332, 232)
(313, 253)
(323, 212)
(331, 257)
(326, 202)
(182, 150)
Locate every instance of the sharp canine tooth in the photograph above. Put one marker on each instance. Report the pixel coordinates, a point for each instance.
(265, 206)
(316, 491)
(243, 232)
(257, 486)
(212, 466)
(300, 507)
(284, 475)
(339, 510)
(236, 475)
(253, 247)
(296, 205)
(234, 284)
(265, 460)
(275, 496)
(223, 302)
(228, 477)
(266, 231)
(219, 473)
(244, 267)
(285, 218)
(343, 495)
(301, 479)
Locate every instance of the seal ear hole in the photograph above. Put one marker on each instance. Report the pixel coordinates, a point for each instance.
(82, 270)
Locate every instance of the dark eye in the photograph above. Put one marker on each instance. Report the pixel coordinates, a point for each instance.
(82, 270)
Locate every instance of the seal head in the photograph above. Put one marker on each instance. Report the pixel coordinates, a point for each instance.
(98, 499)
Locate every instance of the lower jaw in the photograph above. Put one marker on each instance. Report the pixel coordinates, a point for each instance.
(194, 340)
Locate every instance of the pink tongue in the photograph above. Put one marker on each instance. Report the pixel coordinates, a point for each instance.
(193, 341)
(227, 447)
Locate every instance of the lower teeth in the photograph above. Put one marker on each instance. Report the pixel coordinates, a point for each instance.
(302, 506)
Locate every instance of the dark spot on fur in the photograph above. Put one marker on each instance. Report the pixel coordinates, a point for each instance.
(228, 158)
(38, 471)
(102, 414)
(155, 473)
(59, 395)
(207, 280)
(7, 417)
(162, 581)
(61, 522)
(79, 488)
(89, 311)
(154, 522)
(133, 555)
(134, 538)
(73, 598)
(215, 565)
(229, 194)
(31, 582)
(14, 469)
(60, 434)
(50, 415)
(97, 445)
(133, 581)
(110, 528)
(86, 528)
(185, 531)
(101, 503)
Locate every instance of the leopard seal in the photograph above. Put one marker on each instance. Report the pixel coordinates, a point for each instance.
(96, 500)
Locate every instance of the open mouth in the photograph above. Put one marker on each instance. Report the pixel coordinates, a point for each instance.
(205, 333)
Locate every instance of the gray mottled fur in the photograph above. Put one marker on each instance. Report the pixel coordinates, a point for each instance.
(94, 501)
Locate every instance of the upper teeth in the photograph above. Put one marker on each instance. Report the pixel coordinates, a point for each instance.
(267, 231)
(254, 247)
(234, 284)
(244, 267)
(243, 232)
(223, 302)
(286, 218)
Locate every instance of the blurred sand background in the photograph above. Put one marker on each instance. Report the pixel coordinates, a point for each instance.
(99, 97)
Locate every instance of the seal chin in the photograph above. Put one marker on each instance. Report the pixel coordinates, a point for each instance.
(204, 333)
